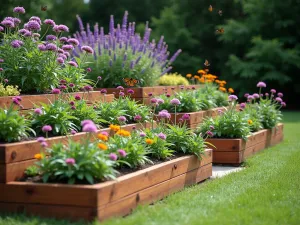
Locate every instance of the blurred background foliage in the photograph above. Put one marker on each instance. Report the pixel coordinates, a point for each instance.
(261, 40)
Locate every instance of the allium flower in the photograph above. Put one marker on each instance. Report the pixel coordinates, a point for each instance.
(33, 25)
(55, 91)
(261, 84)
(150, 94)
(1, 60)
(153, 100)
(137, 118)
(1, 29)
(160, 101)
(62, 87)
(87, 49)
(246, 95)
(72, 63)
(279, 94)
(49, 22)
(8, 23)
(71, 85)
(232, 97)
(72, 103)
(85, 122)
(122, 118)
(67, 47)
(73, 107)
(175, 101)
(120, 88)
(50, 37)
(99, 78)
(1, 69)
(44, 144)
(70, 161)
(267, 94)
(122, 94)
(5, 80)
(73, 132)
(273, 91)
(168, 95)
(19, 10)
(89, 127)
(77, 97)
(242, 105)
(15, 101)
(41, 139)
(162, 136)
(88, 88)
(209, 133)
(38, 111)
(255, 95)
(63, 39)
(51, 47)
(142, 134)
(16, 43)
(35, 18)
(103, 91)
(164, 114)
(250, 97)
(278, 99)
(60, 60)
(46, 128)
(88, 70)
(130, 91)
(185, 116)
(283, 104)
(211, 127)
(113, 156)
(122, 152)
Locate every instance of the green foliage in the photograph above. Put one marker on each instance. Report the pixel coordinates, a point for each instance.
(212, 95)
(172, 79)
(253, 116)
(90, 164)
(14, 127)
(270, 113)
(8, 90)
(57, 115)
(32, 171)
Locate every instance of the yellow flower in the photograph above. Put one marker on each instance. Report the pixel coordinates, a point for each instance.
(250, 122)
(230, 90)
(222, 89)
(102, 146)
(38, 156)
(189, 75)
(115, 128)
(149, 141)
(102, 137)
(201, 72)
(123, 133)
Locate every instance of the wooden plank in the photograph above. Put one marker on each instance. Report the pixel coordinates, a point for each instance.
(253, 149)
(226, 145)
(223, 157)
(276, 140)
(125, 205)
(255, 138)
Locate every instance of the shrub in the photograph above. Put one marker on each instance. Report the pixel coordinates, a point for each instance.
(32, 171)
(14, 127)
(8, 90)
(172, 79)
(124, 54)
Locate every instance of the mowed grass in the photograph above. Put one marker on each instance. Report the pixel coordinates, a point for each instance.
(266, 192)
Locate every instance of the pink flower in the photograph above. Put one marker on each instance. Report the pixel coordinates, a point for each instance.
(49, 22)
(87, 49)
(55, 91)
(246, 95)
(185, 116)
(150, 94)
(113, 156)
(211, 127)
(278, 99)
(261, 84)
(142, 134)
(153, 100)
(104, 133)
(99, 78)
(67, 47)
(44, 144)
(103, 91)
(175, 101)
(122, 119)
(71, 85)
(137, 118)
(160, 101)
(168, 95)
(164, 114)
(130, 91)
(90, 127)
(70, 161)
(255, 95)
(33, 25)
(5, 80)
(283, 104)
(60, 28)
(85, 122)
(63, 39)
(120, 88)
(242, 105)
(35, 18)
(42, 47)
(46, 128)
(232, 97)
(51, 47)
(60, 60)
(162, 136)
(279, 94)
(41, 139)
(73, 41)
(209, 133)
(77, 97)
(88, 70)
(72, 63)
(38, 111)
(122, 152)
(122, 94)
(273, 91)
(19, 10)
(73, 132)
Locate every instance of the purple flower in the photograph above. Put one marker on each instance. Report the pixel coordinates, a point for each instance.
(38, 111)
(44, 144)
(46, 128)
(242, 105)
(17, 21)
(220, 112)
(42, 47)
(250, 97)
(122, 152)
(87, 49)
(1, 29)
(62, 87)
(50, 37)
(283, 104)
(60, 60)
(1, 60)
(73, 107)
(137, 118)
(142, 134)
(153, 100)
(16, 43)
(113, 156)
(162, 136)
(18, 98)
(70, 161)
(60, 28)
(261, 84)
(278, 99)
(160, 101)
(122, 118)
(255, 95)
(51, 47)
(71, 85)
(211, 127)
(23, 31)
(72, 103)
(279, 94)
(49, 22)
(103, 91)
(67, 47)
(7, 23)
(41, 139)
(85, 122)
(1, 69)
(168, 95)
(120, 88)
(89, 127)
(88, 70)
(150, 94)
(72, 63)
(55, 91)
(88, 88)
(33, 25)
(267, 94)
(185, 116)
(232, 97)
(19, 10)
(5, 80)
(73, 132)
(15, 101)
(73, 41)
(273, 91)
(130, 91)
(246, 95)
(104, 133)
(209, 133)
(77, 97)
(164, 114)
(63, 39)
(175, 101)
(35, 18)
(99, 78)
(122, 94)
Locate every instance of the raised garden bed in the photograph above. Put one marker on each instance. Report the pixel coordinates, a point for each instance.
(29, 101)
(16, 157)
(235, 151)
(108, 199)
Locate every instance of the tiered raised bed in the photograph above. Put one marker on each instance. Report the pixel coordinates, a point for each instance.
(16, 157)
(108, 199)
(235, 151)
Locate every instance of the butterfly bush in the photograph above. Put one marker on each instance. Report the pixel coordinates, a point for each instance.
(36, 61)
(122, 53)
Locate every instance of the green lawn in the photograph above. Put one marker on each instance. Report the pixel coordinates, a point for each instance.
(267, 192)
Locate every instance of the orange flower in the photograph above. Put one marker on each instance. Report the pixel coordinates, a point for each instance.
(102, 137)
(189, 75)
(230, 90)
(202, 80)
(149, 141)
(222, 89)
(38, 156)
(102, 146)
(115, 128)
(217, 81)
(196, 77)
(221, 84)
(201, 72)
(123, 133)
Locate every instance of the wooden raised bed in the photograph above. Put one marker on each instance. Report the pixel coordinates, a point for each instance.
(108, 199)
(29, 101)
(235, 151)
(16, 157)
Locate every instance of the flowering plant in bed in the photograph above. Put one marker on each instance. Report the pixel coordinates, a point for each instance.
(172, 79)
(36, 62)
(122, 53)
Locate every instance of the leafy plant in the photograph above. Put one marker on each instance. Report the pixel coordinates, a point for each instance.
(14, 127)
(32, 171)
(172, 79)
(8, 90)
(109, 113)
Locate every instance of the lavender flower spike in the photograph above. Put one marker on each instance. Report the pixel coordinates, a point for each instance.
(175, 56)
(111, 25)
(166, 70)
